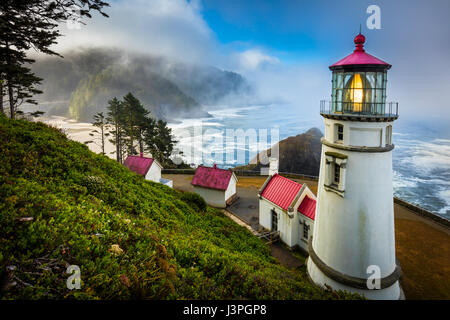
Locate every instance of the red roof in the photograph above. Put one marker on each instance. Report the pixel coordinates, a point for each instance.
(212, 177)
(281, 191)
(308, 207)
(138, 164)
(359, 56)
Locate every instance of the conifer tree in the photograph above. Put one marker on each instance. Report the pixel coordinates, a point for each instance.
(134, 121)
(115, 120)
(32, 24)
(101, 134)
(160, 142)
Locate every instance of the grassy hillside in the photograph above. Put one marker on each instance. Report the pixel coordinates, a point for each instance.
(61, 204)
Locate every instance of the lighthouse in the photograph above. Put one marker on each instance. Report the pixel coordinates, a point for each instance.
(353, 243)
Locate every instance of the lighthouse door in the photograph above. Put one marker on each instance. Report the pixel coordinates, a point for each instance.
(274, 220)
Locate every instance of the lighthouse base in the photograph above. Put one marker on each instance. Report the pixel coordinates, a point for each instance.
(393, 292)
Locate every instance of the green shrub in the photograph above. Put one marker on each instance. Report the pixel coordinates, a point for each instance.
(194, 200)
(94, 184)
(61, 204)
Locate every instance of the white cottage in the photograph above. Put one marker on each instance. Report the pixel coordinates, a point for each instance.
(147, 167)
(216, 186)
(288, 207)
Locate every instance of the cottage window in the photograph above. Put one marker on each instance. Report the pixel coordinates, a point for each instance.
(305, 230)
(274, 220)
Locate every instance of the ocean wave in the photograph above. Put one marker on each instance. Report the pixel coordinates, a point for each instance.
(445, 195)
(400, 134)
(226, 112)
(400, 181)
(442, 140)
(427, 157)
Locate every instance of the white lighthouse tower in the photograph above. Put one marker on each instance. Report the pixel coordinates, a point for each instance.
(353, 247)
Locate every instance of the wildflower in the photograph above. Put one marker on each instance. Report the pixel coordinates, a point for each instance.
(116, 249)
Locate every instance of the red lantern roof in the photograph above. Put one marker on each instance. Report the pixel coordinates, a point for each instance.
(360, 57)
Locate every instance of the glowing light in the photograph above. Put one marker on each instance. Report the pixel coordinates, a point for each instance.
(356, 93)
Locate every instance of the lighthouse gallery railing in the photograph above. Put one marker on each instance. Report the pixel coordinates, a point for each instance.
(376, 109)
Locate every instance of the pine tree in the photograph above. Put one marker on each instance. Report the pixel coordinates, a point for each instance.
(160, 142)
(115, 120)
(18, 81)
(134, 122)
(32, 24)
(99, 136)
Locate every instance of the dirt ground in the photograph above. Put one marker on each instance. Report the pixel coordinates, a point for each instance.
(423, 248)
(257, 182)
(422, 245)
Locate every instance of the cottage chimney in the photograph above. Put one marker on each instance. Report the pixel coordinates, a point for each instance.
(142, 155)
(215, 166)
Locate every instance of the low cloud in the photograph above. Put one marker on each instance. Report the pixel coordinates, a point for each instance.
(254, 58)
(177, 29)
(172, 28)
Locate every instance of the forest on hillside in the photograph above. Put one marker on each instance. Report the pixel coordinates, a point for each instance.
(79, 84)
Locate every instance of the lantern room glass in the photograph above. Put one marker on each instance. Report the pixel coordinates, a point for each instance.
(359, 92)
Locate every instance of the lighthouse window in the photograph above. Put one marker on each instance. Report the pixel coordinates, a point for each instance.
(389, 135)
(340, 132)
(359, 92)
(335, 168)
(337, 173)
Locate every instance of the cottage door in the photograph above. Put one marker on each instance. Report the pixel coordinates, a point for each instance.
(274, 220)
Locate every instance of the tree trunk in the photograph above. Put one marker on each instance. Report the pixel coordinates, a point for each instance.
(141, 144)
(2, 110)
(11, 99)
(10, 88)
(118, 144)
(103, 140)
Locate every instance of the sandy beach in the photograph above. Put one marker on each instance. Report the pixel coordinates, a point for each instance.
(78, 131)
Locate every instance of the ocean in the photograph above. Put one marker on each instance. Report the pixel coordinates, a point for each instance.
(421, 158)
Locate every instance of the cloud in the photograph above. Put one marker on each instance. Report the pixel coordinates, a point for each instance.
(255, 58)
(173, 28)
(411, 39)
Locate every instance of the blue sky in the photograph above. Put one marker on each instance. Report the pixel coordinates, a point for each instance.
(295, 28)
(285, 47)
(304, 29)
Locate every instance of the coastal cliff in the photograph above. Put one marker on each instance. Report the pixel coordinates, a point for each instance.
(298, 154)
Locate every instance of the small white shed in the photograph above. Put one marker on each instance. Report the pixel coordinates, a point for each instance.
(216, 186)
(147, 167)
(288, 207)
(271, 169)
